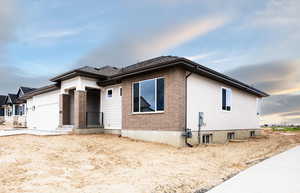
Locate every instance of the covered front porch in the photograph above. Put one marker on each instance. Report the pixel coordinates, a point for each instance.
(80, 105)
(81, 109)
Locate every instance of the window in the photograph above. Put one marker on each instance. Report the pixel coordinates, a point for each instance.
(109, 93)
(121, 92)
(230, 135)
(21, 110)
(226, 99)
(148, 95)
(258, 106)
(252, 133)
(206, 139)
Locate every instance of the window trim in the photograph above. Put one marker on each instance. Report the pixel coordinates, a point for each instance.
(108, 89)
(226, 88)
(132, 97)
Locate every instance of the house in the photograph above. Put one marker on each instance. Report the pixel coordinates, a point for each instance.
(2, 109)
(166, 99)
(9, 107)
(19, 116)
(15, 109)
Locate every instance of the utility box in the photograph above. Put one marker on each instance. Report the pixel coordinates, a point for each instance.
(188, 133)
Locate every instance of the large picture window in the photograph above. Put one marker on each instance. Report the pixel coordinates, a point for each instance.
(226, 99)
(148, 95)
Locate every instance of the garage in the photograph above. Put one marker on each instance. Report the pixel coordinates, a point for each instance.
(43, 111)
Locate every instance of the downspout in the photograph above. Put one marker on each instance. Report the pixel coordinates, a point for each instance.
(185, 121)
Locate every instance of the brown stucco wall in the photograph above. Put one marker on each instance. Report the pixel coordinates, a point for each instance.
(172, 119)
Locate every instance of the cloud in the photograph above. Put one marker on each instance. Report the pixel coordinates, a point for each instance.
(129, 48)
(281, 104)
(201, 56)
(278, 13)
(292, 114)
(46, 37)
(12, 78)
(8, 21)
(273, 77)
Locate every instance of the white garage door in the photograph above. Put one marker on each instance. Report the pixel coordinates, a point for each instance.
(44, 111)
(47, 117)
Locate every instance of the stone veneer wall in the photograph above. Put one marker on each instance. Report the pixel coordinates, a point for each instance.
(80, 100)
(64, 112)
(172, 119)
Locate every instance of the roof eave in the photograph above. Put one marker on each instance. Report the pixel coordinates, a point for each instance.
(75, 73)
(40, 91)
(191, 66)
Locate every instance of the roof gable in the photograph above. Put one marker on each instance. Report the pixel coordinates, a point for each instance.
(23, 90)
(11, 99)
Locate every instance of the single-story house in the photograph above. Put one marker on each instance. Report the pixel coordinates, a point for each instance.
(15, 108)
(2, 109)
(9, 106)
(167, 99)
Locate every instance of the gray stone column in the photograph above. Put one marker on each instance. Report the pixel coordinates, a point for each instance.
(64, 109)
(80, 109)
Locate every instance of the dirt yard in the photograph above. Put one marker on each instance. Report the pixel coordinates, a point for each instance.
(109, 164)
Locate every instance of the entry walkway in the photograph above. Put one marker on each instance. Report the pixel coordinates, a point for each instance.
(32, 132)
(278, 174)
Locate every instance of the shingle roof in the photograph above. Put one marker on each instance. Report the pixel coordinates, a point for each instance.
(95, 72)
(13, 98)
(110, 75)
(2, 100)
(41, 90)
(27, 89)
(103, 71)
(150, 62)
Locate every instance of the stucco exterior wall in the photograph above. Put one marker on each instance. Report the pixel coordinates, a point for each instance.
(205, 95)
(172, 119)
(79, 83)
(43, 111)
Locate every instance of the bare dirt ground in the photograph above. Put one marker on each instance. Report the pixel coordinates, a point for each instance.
(109, 164)
(6, 126)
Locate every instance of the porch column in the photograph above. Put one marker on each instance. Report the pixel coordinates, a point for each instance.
(80, 109)
(64, 109)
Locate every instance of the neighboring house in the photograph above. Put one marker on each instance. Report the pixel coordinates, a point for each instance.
(15, 109)
(19, 116)
(9, 106)
(2, 108)
(157, 100)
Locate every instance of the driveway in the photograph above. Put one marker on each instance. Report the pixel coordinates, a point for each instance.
(31, 132)
(278, 174)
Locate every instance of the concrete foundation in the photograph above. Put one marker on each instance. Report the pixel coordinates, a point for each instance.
(175, 138)
(97, 131)
(88, 131)
(220, 136)
(112, 131)
(167, 137)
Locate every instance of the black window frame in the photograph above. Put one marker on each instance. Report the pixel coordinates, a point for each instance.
(107, 93)
(136, 96)
(230, 135)
(225, 93)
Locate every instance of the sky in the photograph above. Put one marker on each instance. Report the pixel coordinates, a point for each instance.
(254, 41)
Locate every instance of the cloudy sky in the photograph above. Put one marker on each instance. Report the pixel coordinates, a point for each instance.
(255, 41)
